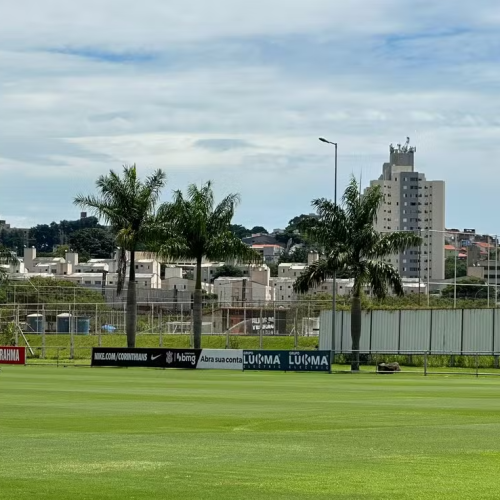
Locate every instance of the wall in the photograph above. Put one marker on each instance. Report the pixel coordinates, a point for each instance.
(452, 331)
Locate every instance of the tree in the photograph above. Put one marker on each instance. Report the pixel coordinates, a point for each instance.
(240, 231)
(128, 205)
(449, 268)
(7, 257)
(351, 244)
(259, 230)
(13, 239)
(297, 255)
(45, 237)
(193, 227)
(227, 271)
(98, 243)
(469, 288)
(273, 267)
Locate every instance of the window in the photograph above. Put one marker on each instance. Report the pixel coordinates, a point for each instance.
(98, 283)
(88, 282)
(137, 266)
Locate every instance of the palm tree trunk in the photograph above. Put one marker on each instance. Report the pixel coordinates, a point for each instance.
(355, 331)
(131, 326)
(197, 309)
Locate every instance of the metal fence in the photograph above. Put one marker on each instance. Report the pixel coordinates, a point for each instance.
(69, 330)
(435, 331)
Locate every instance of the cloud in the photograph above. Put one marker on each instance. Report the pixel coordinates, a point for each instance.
(239, 92)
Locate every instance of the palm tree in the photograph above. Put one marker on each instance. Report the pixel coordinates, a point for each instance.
(351, 244)
(7, 257)
(128, 205)
(194, 228)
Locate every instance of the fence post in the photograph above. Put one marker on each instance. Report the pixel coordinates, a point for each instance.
(260, 327)
(72, 320)
(477, 365)
(160, 318)
(213, 318)
(16, 330)
(296, 340)
(425, 364)
(43, 338)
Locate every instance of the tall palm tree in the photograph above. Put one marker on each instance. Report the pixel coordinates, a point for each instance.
(194, 228)
(128, 205)
(351, 245)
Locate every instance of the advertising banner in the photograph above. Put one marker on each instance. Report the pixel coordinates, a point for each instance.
(265, 360)
(293, 361)
(148, 358)
(309, 361)
(218, 359)
(12, 355)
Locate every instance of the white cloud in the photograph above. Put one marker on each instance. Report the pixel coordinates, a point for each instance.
(274, 75)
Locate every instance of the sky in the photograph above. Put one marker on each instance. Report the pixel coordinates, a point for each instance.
(238, 92)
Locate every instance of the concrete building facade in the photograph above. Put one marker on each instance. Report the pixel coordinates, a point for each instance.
(412, 203)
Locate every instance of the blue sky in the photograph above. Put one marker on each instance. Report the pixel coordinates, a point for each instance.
(238, 92)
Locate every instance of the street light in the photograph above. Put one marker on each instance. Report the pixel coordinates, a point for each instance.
(334, 300)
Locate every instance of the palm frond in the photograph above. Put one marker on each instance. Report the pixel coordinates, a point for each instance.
(312, 276)
(381, 276)
(226, 245)
(389, 244)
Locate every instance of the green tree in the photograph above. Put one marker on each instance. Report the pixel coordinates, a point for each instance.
(193, 227)
(7, 257)
(240, 231)
(45, 237)
(469, 288)
(227, 271)
(449, 268)
(128, 205)
(351, 244)
(13, 239)
(97, 242)
(259, 230)
(273, 267)
(298, 255)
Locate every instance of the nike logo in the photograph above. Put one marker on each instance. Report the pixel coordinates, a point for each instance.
(153, 358)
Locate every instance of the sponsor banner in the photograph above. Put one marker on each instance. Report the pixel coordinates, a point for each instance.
(182, 358)
(294, 361)
(218, 359)
(148, 358)
(12, 355)
(265, 360)
(309, 361)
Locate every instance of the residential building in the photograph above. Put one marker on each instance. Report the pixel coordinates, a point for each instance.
(261, 239)
(269, 253)
(412, 203)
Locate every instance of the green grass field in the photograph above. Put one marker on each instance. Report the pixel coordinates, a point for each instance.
(80, 433)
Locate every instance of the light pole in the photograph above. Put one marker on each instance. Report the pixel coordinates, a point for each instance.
(334, 300)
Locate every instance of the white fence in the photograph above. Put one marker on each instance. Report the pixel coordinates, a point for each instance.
(453, 331)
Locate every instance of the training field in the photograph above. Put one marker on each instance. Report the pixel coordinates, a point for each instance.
(80, 433)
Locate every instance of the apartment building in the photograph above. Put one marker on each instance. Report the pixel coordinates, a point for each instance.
(412, 203)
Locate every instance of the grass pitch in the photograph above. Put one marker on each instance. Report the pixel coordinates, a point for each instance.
(79, 433)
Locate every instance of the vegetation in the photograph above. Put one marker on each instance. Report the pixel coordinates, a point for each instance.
(469, 288)
(193, 227)
(6, 258)
(350, 244)
(449, 268)
(93, 242)
(128, 205)
(227, 271)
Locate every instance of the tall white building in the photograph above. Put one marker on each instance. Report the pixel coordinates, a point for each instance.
(412, 203)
